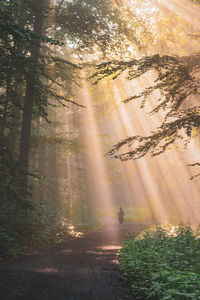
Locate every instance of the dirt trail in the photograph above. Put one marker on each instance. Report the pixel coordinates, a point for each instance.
(80, 269)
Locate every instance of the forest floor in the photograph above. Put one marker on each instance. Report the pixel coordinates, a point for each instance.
(86, 268)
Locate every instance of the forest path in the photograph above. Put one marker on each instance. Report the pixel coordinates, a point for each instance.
(80, 269)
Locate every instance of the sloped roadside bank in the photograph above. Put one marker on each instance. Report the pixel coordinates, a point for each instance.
(163, 262)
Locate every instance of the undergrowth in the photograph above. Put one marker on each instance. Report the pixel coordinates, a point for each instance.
(163, 263)
(26, 224)
(24, 228)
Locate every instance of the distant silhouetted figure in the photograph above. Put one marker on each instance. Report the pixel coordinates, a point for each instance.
(121, 216)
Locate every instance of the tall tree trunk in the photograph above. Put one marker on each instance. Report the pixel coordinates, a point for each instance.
(68, 173)
(29, 94)
(13, 130)
(15, 111)
(53, 164)
(6, 103)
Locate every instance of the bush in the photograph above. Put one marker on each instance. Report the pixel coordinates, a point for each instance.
(23, 228)
(163, 263)
(24, 224)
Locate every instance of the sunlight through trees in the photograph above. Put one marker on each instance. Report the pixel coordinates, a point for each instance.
(98, 110)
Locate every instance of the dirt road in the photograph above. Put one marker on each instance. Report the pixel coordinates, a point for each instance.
(81, 269)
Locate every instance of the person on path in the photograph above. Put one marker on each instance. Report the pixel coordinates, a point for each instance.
(121, 215)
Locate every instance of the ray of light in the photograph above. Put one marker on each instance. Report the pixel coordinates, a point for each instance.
(171, 23)
(135, 181)
(103, 197)
(180, 197)
(184, 8)
(145, 172)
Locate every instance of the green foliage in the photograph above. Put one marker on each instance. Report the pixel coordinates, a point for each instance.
(95, 25)
(163, 263)
(24, 224)
(29, 225)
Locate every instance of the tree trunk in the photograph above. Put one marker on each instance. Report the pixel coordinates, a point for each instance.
(5, 109)
(15, 111)
(13, 130)
(29, 94)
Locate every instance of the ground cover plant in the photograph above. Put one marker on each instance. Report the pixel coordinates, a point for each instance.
(163, 263)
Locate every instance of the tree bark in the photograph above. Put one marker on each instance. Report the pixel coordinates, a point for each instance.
(29, 94)
(15, 111)
(6, 103)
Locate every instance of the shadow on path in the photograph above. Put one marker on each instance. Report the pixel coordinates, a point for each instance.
(85, 269)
